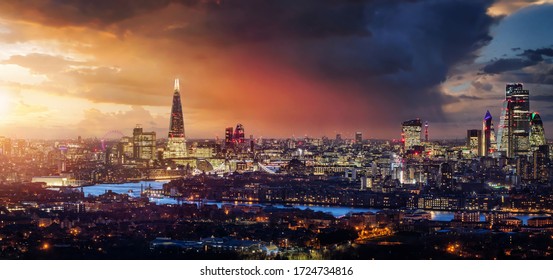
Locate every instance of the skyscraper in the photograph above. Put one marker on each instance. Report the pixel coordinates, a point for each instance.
(486, 134)
(144, 144)
(229, 136)
(446, 177)
(474, 141)
(411, 134)
(239, 136)
(176, 144)
(514, 126)
(540, 170)
(358, 137)
(537, 135)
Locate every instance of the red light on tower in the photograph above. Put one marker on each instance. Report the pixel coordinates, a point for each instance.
(426, 132)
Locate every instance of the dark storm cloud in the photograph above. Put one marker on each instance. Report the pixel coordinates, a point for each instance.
(527, 58)
(469, 97)
(398, 51)
(482, 86)
(252, 20)
(79, 12)
(507, 64)
(542, 98)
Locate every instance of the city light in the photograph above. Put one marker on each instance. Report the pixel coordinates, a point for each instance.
(132, 131)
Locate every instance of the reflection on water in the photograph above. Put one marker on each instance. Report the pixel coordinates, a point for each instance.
(133, 190)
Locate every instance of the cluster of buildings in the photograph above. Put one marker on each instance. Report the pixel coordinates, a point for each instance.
(520, 139)
(492, 175)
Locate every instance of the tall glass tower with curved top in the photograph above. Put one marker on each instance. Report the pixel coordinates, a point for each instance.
(176, 142)
(514, 128)
(537, 135)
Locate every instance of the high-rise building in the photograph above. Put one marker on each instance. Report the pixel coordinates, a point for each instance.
(537, 134)
(338, 139)
(176, 144)
(514, 127)
(144, 144)
(474, 141)
(229, 136)
(411, 134)
(493, 140)
(358, 137)
(486, 135)
(540, 170)
(239, 136)
(446, 177)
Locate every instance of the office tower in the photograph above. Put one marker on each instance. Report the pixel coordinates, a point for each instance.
(229, 136)
(358, 137)
(540, 170)
(144, 144)
(524, 168)
(493, 140)
(486, 135)
(537, 134)
(446, 177)
(474, 141)
(338, 139)
(514, 127)
(411, 134)
(176, 144)
(239, 136)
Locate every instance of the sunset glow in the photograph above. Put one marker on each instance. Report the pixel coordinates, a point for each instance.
(80, 69)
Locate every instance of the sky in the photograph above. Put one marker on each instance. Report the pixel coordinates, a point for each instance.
(282, 68)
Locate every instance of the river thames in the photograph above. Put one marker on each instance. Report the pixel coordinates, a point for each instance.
(133, 190)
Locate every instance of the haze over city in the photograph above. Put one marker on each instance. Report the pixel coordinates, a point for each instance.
(281, 68)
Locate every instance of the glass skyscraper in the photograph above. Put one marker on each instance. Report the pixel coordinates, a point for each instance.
(514, 128)
(176, 144)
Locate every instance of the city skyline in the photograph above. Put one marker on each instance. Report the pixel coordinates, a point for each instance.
(86, 69)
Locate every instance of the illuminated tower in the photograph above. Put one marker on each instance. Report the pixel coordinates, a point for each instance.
(239, 134)
(474, 141)
(537, 135)
(144, 143)
(411, 133)
(446, 177)
(540, 170)
(176, 144)
(486, 134)
(514, 127)
(493, 140)
(358, 137)
(426, 132)
(229, 136)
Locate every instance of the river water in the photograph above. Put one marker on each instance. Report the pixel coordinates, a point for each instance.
(133, 190)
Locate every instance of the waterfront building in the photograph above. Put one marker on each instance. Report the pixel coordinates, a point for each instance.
(144, 144)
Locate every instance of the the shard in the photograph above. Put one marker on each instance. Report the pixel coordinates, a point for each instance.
(176, 142)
